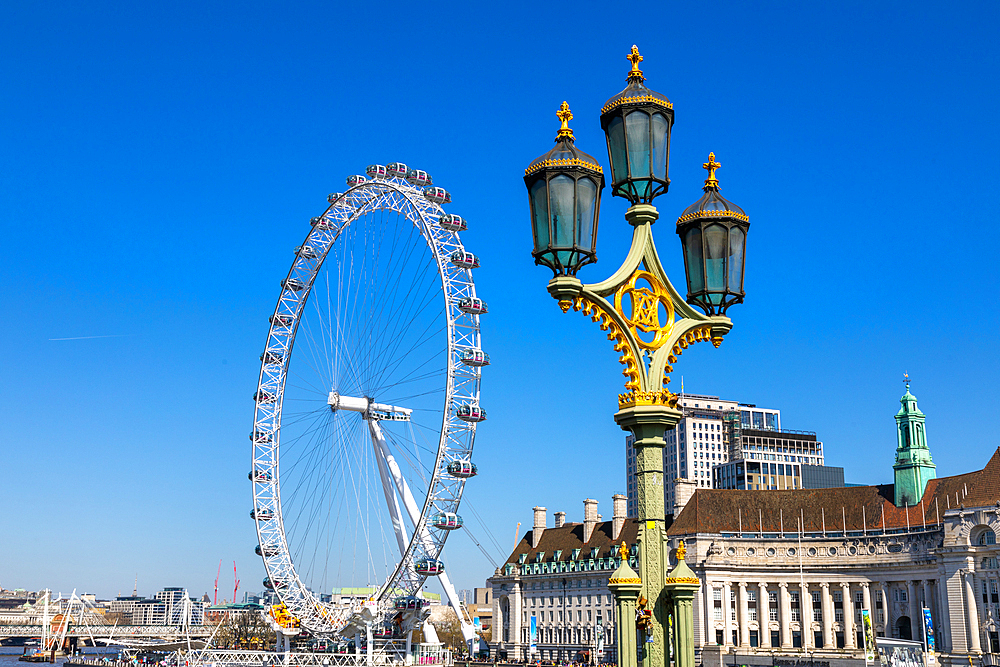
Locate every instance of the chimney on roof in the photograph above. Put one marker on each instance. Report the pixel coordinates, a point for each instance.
(560, 519)
(620, 504)
(536, 532)
(589, 518)
(683, 490)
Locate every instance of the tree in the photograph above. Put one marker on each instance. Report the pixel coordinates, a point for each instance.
(245, 630)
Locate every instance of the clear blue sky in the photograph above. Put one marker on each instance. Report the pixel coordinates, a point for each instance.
(159, 161)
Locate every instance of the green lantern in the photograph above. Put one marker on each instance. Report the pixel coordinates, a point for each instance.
(713, 234)
(637, 123)
(564, 193)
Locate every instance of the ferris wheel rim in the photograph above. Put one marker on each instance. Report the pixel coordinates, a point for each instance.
(364, 197)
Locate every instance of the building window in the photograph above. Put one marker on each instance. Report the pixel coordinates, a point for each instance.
(987, 537)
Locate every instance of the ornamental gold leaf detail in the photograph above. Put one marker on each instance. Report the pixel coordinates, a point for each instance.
(624, 580)
(615, 333)
(646, 302)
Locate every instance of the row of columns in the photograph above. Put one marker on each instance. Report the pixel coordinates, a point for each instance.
(851, 628)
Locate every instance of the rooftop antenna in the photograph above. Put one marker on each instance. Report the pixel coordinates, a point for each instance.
(517, 531)
(937, 510)
(923, 516)
(864, 521)
(135, 588)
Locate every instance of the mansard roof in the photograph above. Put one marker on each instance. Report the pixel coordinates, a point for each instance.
(570, 536)
(852, 508)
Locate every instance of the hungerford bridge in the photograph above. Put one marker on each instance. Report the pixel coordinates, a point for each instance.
(113, 632)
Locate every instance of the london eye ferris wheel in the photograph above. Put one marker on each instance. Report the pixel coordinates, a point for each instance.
(368, 401)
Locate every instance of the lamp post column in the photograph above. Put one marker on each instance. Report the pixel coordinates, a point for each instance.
(647, 423)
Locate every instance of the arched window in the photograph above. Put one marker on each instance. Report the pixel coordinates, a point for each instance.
(986, 537)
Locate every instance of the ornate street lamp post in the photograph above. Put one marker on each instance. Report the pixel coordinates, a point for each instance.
(648, 321)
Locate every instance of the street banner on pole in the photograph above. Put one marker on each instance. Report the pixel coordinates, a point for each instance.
(869, 632)
(599, 630)
(929, 643)
(478, 626)
(534, 635)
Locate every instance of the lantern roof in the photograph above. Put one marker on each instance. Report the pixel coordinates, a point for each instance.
(636, 92)
(712, 204)
(565, 154)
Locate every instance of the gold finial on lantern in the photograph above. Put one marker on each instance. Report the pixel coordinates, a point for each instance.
(681, 551)
(623, 552)
(564, 115)
(634, 58)
(711, 166)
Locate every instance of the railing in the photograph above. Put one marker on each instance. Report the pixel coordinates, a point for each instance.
(105, 631)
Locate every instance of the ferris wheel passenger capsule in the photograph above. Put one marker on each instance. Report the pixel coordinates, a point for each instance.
(448, 521)
(266, 551)
(473, 356)
(429, 567)
(437, 195)
(464, 259)
(261, 436)
(293, 284)
(356, 179)
(472, 305)
(333, 196)
(397, 169)
(269, 357)
(281, 320)
(274, 585)
(470, 413)
(462, 469)
(418, 177)
(376, 171)
(453, 223)
(263, 397)
(409, 602)
(263, 514)
(306, 252)
(319, 222)
(259, 476)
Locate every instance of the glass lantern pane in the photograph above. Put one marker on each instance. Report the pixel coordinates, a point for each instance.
(736, 242)
(586, 199)
(540, 209)
(693, 263)
(660, 128)
(716, 251)
(616, 141)
(561, 206)
(637, 128)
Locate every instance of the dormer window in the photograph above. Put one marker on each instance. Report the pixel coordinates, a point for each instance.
(557, 554)
(522, 558)
(540, 556)
(576, 554)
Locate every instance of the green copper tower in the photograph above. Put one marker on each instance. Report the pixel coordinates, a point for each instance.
(913, 467)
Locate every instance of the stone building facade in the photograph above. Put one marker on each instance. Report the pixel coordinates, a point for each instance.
(784, 574)
(790, 571)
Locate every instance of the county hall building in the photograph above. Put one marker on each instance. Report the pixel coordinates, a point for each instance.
(784, 573)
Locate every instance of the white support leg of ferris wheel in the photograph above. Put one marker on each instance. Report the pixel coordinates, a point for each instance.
(468, 631)
(390, 493)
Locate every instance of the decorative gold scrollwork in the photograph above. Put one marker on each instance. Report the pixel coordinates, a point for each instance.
(606, 323)
(645, 315)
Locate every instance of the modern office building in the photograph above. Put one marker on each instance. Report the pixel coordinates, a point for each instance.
(773, 460)
(701, 441)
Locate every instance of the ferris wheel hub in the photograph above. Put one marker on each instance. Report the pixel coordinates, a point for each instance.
(369, 409)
